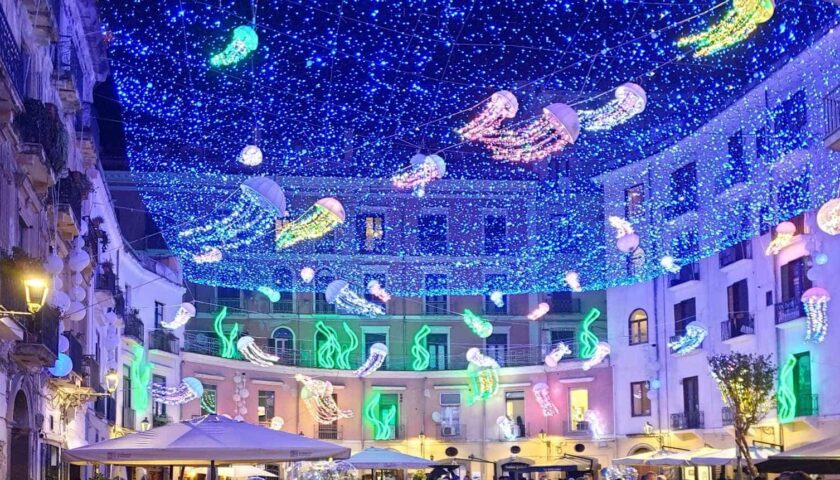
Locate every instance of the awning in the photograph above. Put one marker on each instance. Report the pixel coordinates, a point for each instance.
(387, 458)
(643, 458)
(817, 457)
(727, 456)
(679, 458)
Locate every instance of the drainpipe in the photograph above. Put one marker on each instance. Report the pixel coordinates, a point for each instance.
(662, 374)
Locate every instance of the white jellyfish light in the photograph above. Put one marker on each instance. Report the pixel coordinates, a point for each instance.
(498, 298)
(556, 354)
(248, 348)
(208, 255)
(669, 264)
(317, 396)
(630, 100)
(573, 281)
(508, 428)
(695, 333)
(253, 212)
(815, 301)
(785, 234)
(376, 357)
(539, 312)
(338, 293)
(307, 274)
(557, 127)
(601, 352)
(375, 289)
(320, 219)
(543, 396)
(188, 390)
(422, 171)
(626, 239)
(251, 155)
(185, 312)
(501, 106)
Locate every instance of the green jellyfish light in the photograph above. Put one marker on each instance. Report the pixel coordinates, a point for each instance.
(244, 41)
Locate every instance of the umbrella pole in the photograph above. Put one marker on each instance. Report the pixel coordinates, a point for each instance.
(211, 474)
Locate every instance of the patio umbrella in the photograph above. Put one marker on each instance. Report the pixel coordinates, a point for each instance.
(235, 471)
(727, 456)
(644, 457)
(818, 457)
(387, 458)
(213, 438)
(678, 458)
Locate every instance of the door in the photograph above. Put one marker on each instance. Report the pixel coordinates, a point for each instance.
(437, 344)
(738, 302)
(802, 385)
(496, 345)
(691, 402)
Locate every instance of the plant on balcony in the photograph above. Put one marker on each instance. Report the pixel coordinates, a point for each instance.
(40, 123)
(746, 385)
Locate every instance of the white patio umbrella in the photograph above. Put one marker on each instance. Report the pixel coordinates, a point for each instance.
(375, 458)
(235, 471)
(727, 456)
(643, 458)
(679, 458)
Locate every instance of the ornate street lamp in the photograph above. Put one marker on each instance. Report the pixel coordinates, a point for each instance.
(112, 379)
(144, 425)
(36, 293)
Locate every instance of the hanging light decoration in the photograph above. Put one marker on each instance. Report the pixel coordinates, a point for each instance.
(319, 220)
(669, 264)
(338, 293)
(586, 338)
(272, 293)
(507, 427)
(539, 312)
(419, 350)
(815, 301)
(248, 348)
(601, 352)
(36, 290)
(376, 357)
(112, 380)
(188, 390)
(596, 426)
(736, 25)
(478, 325)
(828, 217)
(498, 298)
(543, 396)
(240, 396)
(375, 289)
(785, 234)
(208, 255)
(422, 171)
(185, 312)
(62, 366)
(630, 100)
(626, 239)
(244, 41)
(695, 333)
(501, 106)
(785, 392)
(251, 155)
(277, 423)
(380, 419)
(317, 396)
(572, 279)
(307, 274)
(556, 354)
(484, 375)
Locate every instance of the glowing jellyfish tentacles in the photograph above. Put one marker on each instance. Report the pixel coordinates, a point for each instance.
(419, 350)
(375, 289)
(318, 399)
(630, 100)
(501, 106)
(543, 396)
(588, 340)
(376, 357)
(422, 171)
(317, 221)
(188, 390)
(556, 354)
(338, 293)
(695, 333)
(601, 352)
(253, 353)
(382, 422)
(557, 127)
(785, 393)
(815, 302)
(185, 312)
(507, 427)
(736, 25)
(484, 375)
(478, 325)
(244, 41)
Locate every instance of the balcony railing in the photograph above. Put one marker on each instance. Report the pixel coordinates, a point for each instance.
(726, 416)
(577, 429)
(807, 405)
(686, 274)
(564, 305)
(134, 328)
(164, 341)
(451, 431)
(831, 102)
(739, 251)
(12, 56)
(738, 323)
(789, 310)
(329, 432)
(106, 281)
(687, 421)
(39, 347)
(66, 65)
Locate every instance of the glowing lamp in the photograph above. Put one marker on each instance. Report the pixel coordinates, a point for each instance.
(112, 380)
(828, 217)
(145, 425)
(251, 156)
(307, 274)
(36, 293)
(815, 301)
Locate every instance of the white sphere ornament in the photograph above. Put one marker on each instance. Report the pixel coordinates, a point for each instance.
(651, 394)
(628, 242)
(53, 264)
(237, 378)
(243, 411)
(59, 300)
(237, 398)
(251, 155)
(77, 279)
(58, 283)
(77, 293)
(78, 260)
(821, 258)
(828, 217)
(62, 367)
(244, 393)
(75, 312)
(63, 344)
(307, 274)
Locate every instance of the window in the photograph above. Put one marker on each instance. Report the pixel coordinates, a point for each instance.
(388, 411)
(436, 303)
(438, 346)
(265, 406)
(126, 394)
(683, 190)
(329, 431)
(379, 277)
(450, 414)
(578, 406)
(433, 234)
(286, 303)
(515, 410)
(158, 314)
(159, 407)
(684, 313)
(496, 347)
(639, 401)
(638, 327)
(372, 338)
(634, 198)
(370, 230)
(208, 400)
(495, 235)
(283, 341)
(322, 279)
(229, 297)
(794, 278)
(493, 283)
(563, 302)
(736, 168)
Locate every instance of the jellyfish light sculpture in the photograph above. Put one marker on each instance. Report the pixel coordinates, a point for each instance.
(630, 100)
(484, 375)
(501, 106)
(252, 214)
(669, 264)
(317, 221)
(338, 293)
(695, 333)
(376, 357)
(539, 312)
(478, 325)
(208, 255)
(572, 279)
(422, 171)
(815, 301)
(626, 239)
(601, 352)
(185, 312)
(375, 289)
(736, 25)
(557, 127)
(556, 354)
(188, 390)
(509, 429)
(543, 396)
(498, 298)
(253, 353)
(317, 396)
(785, 234)
(828, 217)
(244, 41)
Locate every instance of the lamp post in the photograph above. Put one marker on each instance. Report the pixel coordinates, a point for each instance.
(422, 438)
(144, 425)
(544, 438)
(36, 293)
(112, 379)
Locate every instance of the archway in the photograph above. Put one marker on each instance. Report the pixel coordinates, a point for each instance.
(19, 445)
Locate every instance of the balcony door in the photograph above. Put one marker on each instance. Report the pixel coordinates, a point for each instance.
(738, 302)
(802, 385)
(794, 277)
(691, 401)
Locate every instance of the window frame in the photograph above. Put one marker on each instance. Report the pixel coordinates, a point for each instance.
(644, 389)
(635, 339)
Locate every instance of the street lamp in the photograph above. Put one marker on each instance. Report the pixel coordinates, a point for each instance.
(144, 425)
(112, 379)
(422, 438)
(544, 438)
(36, 293)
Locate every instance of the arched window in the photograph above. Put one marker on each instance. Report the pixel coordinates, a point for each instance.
(322, 279)
(283, 340)
(638, 327)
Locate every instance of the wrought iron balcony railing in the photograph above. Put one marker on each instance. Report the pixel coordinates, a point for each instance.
(164, 341)
(12, 57)
(687, 420)
(789, 310)
(686, 274)
(740, 251)
(807, 405)
(738, 323)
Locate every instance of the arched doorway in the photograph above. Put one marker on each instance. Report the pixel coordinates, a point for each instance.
(283, 341)
(19, 453)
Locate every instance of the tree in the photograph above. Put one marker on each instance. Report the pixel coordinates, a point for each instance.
(746, 385)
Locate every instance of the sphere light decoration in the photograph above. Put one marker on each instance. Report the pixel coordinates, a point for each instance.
(543, 396)
(78, 259)
(251, 155)
(188, 390)
(572, 280)
(240, 396)
(736, 25)
(320, 219)
(53, 264)
(422, 171)
(247, 347)
(307, 274)
(376, 357)
(62, 367)
(828, 217)
(821, 258)
(601, 352)
(630, 100)
(318, 399)
(338, 293)
(185, 312)
(785, 234)
(277, 423)
(244, 41)
(626, 239)
(669, 264)
(539, 312)
(815, 301)
(375, 289)
(478, 325)
(484, 376)
(501, 106)
(556, 354)
(508, 428)
(695, 333)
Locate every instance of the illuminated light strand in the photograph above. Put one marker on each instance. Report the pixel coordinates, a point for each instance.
(343, 360)
(484, 376)
(227, 346)
(338, 293)
(556, 354)
(557, 127)
(785, 235)
(572, 280)
(630, 100)
(539, 312)
(420, 351)
(695, 333)
(543, 396)
(478, 325)
(141, 376)
(815, 302)
(379, 420)
(828, 217)
(249, 350)
(329, 349)
(501, 106)
(587, 339)
(189, 389)
(785, 392)
(317, 396)
(596, 426)
(509, 429)
(376, 358)
(244, 41)
(601, 352)
(736, 25)
(185, 312)
(422, 171)
(208, 255)
(626, 239)
(319, 220)
(375, 289)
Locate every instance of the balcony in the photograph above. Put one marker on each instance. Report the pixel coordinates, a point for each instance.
(134, 328)
(726, 416)
(67, 74)
(687, 421)
(831, 104)
(106, 281)
(76, 353)
(39, 347)
(13, 65)
(87, 132)
(735, 253)
(562, 304)
(577, 429)
(164, 341)
(105, 407)
(807, 405)
(688, 273)
(738, 324)
(451, 431)
(45, 17)
(329, 432)
(44, 152)
(789, 310)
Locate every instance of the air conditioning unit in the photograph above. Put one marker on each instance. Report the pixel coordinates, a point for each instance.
(449, 430)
